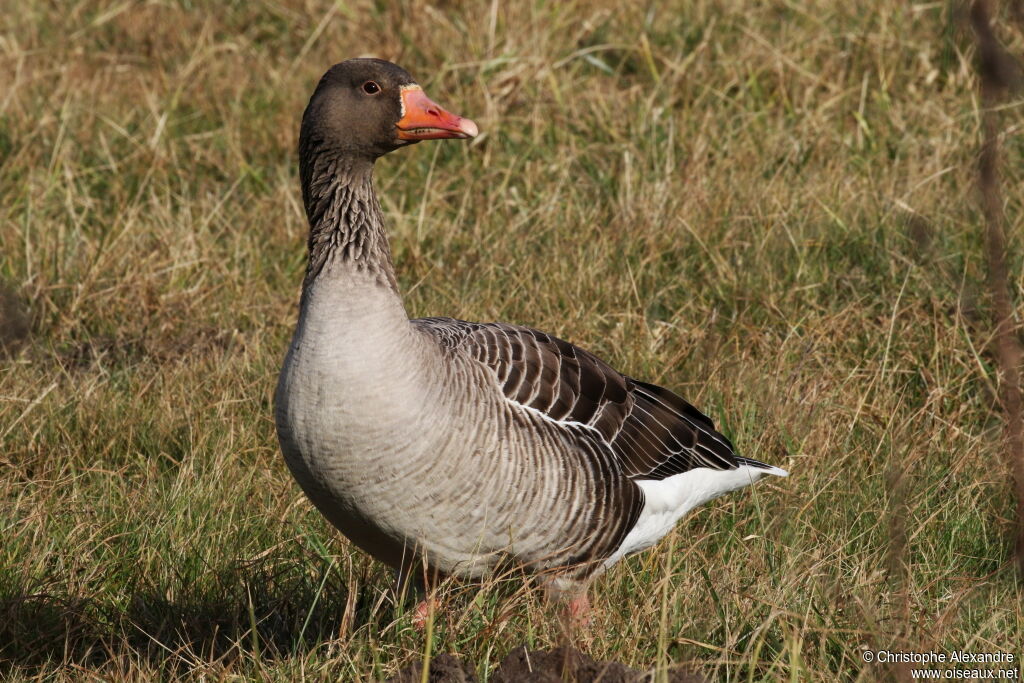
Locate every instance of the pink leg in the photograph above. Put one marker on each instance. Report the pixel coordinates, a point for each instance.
(421, 614)
(577, 610)
(408, 579)
(573, 594)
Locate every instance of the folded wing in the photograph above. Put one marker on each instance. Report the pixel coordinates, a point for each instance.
(652, 432)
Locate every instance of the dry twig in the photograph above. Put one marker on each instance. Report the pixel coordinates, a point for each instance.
(997, 73)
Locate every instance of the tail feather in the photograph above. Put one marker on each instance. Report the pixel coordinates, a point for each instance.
(757, 464)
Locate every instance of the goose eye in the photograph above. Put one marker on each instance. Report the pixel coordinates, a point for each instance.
(371, 88)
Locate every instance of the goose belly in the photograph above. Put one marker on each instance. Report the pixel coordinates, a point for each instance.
(462, 484)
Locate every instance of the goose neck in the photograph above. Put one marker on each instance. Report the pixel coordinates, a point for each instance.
(346, 233)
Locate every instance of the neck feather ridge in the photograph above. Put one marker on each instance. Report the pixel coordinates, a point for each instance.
(345, 219)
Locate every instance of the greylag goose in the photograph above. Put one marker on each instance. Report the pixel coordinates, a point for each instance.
(457, 446)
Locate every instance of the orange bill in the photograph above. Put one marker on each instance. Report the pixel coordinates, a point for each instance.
(423, 119)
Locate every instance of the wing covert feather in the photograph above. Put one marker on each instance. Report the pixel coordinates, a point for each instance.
(652, 432)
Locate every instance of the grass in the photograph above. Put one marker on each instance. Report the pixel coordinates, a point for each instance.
(768, 206)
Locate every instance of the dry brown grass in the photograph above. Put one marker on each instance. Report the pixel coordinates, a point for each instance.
(769, 206)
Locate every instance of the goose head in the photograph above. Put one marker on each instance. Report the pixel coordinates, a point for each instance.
(365, 108)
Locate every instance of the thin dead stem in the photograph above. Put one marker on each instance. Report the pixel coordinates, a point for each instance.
(996, 71)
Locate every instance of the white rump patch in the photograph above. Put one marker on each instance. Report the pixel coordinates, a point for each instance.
(670, 499)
